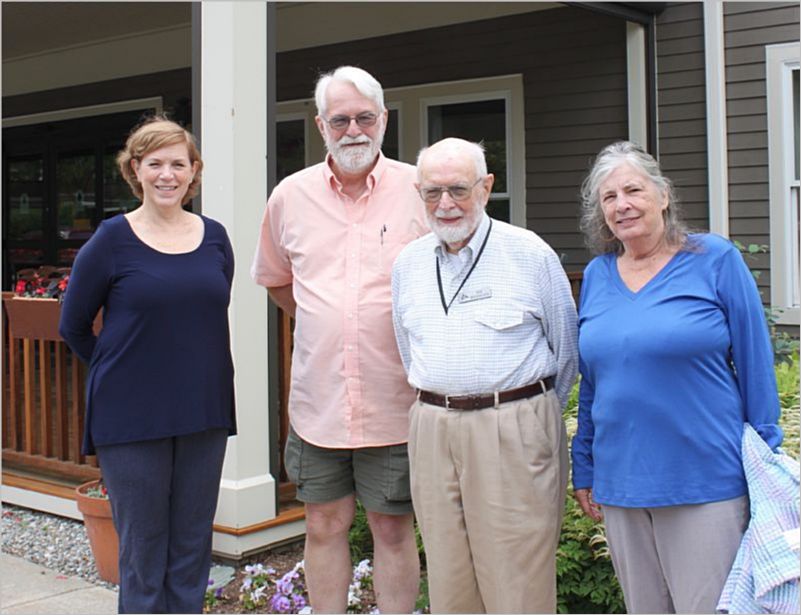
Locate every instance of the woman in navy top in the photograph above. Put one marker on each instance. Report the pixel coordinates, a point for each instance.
(160, 401)
(675, 358)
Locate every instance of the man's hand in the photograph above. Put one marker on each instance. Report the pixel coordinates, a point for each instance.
(283, 298)
(590, 508)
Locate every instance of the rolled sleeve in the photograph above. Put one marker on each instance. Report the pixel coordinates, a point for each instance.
(271, 264)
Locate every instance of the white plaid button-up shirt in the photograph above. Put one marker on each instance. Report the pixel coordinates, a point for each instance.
(512, 323)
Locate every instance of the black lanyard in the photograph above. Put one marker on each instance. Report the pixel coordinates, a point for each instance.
(446, 306)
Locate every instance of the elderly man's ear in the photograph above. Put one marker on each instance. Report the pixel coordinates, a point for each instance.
(487, 183)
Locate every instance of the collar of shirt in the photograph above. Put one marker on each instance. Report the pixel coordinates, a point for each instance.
(465, 255)
(373, 177)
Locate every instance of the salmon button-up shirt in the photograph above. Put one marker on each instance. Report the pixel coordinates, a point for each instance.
(348, 387)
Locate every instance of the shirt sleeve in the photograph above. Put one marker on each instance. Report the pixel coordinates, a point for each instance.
(90, 281)
(560, 322)
(401, 336)
(228, 267)
(581, 447)
(751, 350)
(271, 264)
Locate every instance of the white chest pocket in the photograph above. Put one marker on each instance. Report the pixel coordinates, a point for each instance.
(500, 320)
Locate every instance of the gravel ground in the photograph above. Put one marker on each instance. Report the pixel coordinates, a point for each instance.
(53, 542)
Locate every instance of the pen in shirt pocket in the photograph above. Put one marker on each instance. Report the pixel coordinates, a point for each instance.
(382, 231)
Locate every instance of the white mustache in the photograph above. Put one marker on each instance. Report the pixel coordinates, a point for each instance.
(346, 140)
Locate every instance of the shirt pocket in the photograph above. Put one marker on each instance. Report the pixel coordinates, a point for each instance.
(500, 320)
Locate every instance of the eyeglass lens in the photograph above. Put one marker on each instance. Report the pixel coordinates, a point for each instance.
(364, 120)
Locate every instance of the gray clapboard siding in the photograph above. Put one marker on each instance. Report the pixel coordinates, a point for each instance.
(749, 27)
(681, 97)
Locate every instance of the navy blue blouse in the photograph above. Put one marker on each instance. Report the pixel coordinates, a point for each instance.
(161, 365)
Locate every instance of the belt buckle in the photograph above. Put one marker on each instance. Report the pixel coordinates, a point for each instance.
(497, 400)
(447, 402)
(542, 386)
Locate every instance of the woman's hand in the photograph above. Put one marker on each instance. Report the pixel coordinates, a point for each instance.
(590, 508)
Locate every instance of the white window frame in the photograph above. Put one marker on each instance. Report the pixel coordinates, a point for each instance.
(781, 60)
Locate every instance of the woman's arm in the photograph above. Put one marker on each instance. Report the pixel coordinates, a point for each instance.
(88, 287)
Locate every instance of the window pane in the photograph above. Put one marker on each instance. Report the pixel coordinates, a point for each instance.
(390, 146)
(117, 195)
(75, 200)
(291, 147)
(25, 194)
(498, 209)
(475, 121)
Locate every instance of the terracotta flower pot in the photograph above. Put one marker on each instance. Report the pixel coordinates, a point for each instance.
(100, 528)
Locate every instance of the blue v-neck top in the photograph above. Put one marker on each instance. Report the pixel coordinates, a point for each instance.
(161, 365)
(669, 376)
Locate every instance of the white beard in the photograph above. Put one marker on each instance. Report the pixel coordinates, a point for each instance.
(354, 159)
(451, 234)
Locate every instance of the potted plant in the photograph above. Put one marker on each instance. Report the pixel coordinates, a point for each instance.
(94, 504)
(35, 308)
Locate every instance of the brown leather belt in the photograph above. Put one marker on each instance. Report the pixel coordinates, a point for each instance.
(478, 402)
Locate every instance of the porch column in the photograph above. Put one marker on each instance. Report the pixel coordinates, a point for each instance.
(233, 127)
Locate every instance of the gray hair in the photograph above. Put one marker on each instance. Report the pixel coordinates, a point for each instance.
(455, 145)
(597, 235)
(364, 82)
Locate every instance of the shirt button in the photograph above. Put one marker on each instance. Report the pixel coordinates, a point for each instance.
(353, 254)
(355, 225)
(353, 286)
(350, 347)
(350, 314)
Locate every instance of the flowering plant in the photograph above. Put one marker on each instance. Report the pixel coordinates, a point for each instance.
(288, 594)
(97, 491)
(40, 286)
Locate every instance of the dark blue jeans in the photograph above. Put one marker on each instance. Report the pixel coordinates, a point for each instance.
(163, 499)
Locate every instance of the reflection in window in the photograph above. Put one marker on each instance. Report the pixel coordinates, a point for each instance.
(117, 195)
(390, 147)
(75, 197)
(25, 189)
(290, 147)
(483, 122)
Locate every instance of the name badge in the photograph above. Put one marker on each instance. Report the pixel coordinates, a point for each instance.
(482, 293)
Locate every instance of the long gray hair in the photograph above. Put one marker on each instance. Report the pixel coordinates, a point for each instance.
(597, 235)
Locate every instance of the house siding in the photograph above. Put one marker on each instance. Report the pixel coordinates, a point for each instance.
(749, 27)
(681, 96)
(573, 64)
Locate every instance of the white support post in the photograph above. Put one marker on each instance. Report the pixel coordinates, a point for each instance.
(637, 83)
(717, 143)
(233, 129)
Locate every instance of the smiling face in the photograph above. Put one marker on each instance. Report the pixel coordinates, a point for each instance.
(354, 148)
(632, 206)
(165, 175)
(454, 221)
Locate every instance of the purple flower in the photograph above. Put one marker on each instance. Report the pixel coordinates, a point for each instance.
(280, 604)
(299, 601)
(284, 585)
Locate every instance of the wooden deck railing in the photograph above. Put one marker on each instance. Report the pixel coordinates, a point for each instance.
(43, 394)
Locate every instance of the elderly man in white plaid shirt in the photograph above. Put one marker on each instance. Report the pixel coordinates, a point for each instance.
(486, 328)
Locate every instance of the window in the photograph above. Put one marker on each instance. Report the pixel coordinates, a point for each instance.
(783, 146)
(481, 121)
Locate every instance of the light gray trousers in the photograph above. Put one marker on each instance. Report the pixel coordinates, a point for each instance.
(675, 559)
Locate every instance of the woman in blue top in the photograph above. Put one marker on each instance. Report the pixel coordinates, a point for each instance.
(675, 358)
(160, 402)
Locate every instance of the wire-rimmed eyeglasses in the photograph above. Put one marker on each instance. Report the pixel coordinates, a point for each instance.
(432, 194)
(363, 120)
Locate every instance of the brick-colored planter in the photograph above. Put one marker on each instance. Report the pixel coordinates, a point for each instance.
(100, 529)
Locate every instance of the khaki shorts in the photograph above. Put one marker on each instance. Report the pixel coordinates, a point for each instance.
(378, 475)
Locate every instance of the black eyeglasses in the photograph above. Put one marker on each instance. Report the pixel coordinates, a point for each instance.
(341, 122)
(433, 194)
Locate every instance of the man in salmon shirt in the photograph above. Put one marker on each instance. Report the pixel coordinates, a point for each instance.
(328, 239)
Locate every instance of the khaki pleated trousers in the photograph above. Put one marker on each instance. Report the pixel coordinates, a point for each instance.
(488, 488)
